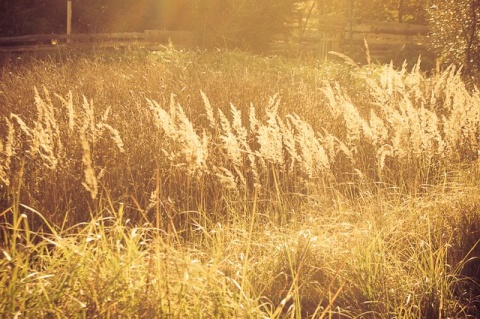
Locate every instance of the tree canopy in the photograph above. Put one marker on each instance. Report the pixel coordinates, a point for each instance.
(455, 32)
(48, 16)
(245, 23)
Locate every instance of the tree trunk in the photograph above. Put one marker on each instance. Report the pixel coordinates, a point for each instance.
(400, 11)
(473, 33)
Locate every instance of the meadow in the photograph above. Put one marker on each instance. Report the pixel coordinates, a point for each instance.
(194, 184)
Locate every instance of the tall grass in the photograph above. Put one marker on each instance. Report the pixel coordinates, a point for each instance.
(405, 132)
(350, 262)
(191, 184)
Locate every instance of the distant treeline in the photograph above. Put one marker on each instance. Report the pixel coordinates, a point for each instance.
(49, 16)
(248, 23)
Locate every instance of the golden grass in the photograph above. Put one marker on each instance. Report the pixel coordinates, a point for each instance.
(399, 257)
(237, 188)
(405, 131)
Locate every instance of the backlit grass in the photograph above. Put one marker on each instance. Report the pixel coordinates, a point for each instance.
(221, 184)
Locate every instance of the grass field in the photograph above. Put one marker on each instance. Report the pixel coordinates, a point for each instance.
(177, 184)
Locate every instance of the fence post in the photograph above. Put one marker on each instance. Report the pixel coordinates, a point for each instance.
(69, 19)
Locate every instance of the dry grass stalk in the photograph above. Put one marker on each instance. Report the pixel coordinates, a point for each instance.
(415, 122)
(229, 141)
(46, 132)
(44, 137)
(462, 121)
(379, 130)
(243, 136)
(235, 151)
(253, 126)
(195, 147)
(183, 145)
(114, 134)
(313, 160)
(90, 179)
(88, 121)
(331, 145)
(252, 119)
(341, 106)
(345, 58)
(6, 153)
(269, 137)
(209, 109)
(46, 141)
(288, 136)
(367, 52)
(68, 104)
(226, 177)
(383, 152)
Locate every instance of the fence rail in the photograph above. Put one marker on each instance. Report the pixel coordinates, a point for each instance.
(388, 33)
(51, 41)
(386, 39)
(338, 35)
(331, 34)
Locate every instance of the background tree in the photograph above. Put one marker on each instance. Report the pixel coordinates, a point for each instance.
(455, 32)
(403, 11)
(32, 16)
(112, 15)
(240, 23)
(226, 23)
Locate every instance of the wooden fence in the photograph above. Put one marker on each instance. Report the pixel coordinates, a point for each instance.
(385, 38)
(149, 38)
(330, 34)
(327, 35)
(335, 34)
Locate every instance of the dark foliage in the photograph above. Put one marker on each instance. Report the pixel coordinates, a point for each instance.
(226, 23)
